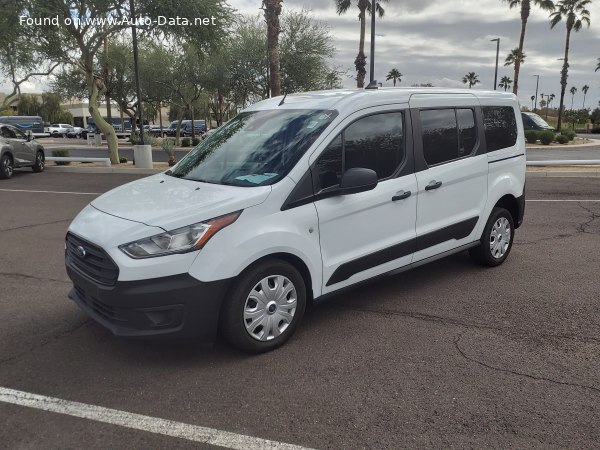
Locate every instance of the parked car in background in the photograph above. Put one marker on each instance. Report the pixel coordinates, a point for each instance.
(532, 121)
(91, 129)
(18, 149)
(186, 128)
(59, 129)
(171, 130)
(75, 132)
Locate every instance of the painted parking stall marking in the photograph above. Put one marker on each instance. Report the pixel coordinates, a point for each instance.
(141, 422)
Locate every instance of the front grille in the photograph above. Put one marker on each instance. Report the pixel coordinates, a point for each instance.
(95, 265)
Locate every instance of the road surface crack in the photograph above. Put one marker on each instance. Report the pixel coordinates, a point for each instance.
(517, 373)
(36, 225)
(31, 277)
(582, 227)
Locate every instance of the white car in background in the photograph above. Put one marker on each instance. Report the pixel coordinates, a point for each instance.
(59, 129)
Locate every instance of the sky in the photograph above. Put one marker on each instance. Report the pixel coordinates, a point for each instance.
(438, 42)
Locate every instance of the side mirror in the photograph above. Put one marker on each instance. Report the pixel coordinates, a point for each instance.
(357, 180)
(29, 135)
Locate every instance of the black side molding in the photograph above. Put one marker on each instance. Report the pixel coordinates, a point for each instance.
(504, 159)
(456, 231)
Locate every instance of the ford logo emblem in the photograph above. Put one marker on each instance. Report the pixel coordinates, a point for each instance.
(81, 251)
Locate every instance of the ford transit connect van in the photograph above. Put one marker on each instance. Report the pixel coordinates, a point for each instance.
(295, 199)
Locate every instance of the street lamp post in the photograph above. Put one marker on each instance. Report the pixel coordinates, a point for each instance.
(537, 84)
(373, 9)
(497, 55)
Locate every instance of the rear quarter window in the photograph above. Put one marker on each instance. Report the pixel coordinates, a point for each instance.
(500, 125)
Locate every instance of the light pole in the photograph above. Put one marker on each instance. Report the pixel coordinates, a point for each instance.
(373, 9)
(537, 84)
(497, 55)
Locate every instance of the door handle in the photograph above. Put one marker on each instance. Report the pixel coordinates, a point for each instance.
(401, 195)
(433, 185)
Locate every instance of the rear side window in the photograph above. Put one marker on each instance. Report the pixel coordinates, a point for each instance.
(500, 127)
(374, 142)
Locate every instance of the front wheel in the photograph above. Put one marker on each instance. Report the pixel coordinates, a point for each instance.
(496, 240)
(39, 164)
(264, 307)
(6, 166)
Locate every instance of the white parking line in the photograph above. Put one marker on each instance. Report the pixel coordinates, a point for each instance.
(562, 200)
(50, 192)
(140, 422)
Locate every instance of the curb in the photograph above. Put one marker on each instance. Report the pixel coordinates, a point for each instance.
(132, 171)
(594, 143)
(562, 174)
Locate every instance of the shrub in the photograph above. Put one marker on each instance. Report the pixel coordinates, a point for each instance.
(133, 138)
(122, 160)
(149, 139)
(570, 134)
(185, 142)
(546, 137)
(531, 136)
(195, 141)
(562, 139)
(61, 153)
(168, 146)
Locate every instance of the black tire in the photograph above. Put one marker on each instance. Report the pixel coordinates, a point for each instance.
(6, 166)
(237, 302)
(492, 249)
(40, 162)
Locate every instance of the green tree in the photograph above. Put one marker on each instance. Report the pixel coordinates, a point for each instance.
(575, 14)
(505, 83)
(394, 75)
(513, 57)
(585, 90)
(364, 7)
(573, 90)
(525, 6)
(471, 79)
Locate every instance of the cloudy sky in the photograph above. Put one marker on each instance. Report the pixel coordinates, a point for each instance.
(439, 42)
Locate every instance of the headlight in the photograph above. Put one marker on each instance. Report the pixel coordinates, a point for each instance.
(182, 240)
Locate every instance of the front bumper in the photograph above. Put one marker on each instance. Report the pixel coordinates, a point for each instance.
(177, 306)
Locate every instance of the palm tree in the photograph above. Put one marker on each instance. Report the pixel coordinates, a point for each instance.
(572, 91)
(272, 10)
(585, 90)
(525, 10)
(394, 75)
(364, 7)
(532, 99)
(513, 56)
(471, 79)
(575, 14)
(551, 98)
(505, 83)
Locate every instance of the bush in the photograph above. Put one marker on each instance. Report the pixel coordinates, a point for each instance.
(61, 153)
(168, 145)
(195, 141)
(562, 139)
(122, 160)
(570, 134)
(546, 137)
(133, 138)
(185, 142)
(531, 136)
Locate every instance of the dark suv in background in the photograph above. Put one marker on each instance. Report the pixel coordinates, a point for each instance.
(186, 128)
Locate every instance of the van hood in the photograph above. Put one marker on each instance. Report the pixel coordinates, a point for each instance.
(170, 203)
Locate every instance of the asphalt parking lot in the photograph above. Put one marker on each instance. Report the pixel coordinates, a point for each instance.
(447, 355)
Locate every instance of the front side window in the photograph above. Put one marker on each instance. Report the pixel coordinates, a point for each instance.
(374, 142)
(255, 148)
(500, 127)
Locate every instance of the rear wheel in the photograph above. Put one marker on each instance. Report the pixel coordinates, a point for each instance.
(40, 162)
(6, 166)
(264, 307)
(496, 240)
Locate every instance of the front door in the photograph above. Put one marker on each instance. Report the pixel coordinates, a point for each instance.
(366, 234)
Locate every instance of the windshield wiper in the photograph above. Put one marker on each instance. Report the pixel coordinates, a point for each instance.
(175, 175)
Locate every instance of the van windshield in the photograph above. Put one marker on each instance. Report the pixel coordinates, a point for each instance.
(256, 148)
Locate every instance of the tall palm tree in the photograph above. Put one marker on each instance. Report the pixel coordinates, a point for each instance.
(551, 98)
(505, 83)
(585, 90)
(575, 14)
(525, 10)
(471, 79)
(394, 75)
(513, 56)
(598, 66)
(364, 7)
(272, 10)
(573, 90)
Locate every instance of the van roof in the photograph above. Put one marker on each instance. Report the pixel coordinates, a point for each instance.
(362, 98)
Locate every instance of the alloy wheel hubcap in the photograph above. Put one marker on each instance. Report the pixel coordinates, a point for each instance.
(500, 237)
(8, 167)
(270, 307)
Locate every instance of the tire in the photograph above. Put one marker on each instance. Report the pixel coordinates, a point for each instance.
(494, 248)
(40, 162)
(276, 316)
(6, 166)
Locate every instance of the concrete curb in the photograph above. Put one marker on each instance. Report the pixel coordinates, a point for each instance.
(132, 171)
(564, 174)
(594, 143)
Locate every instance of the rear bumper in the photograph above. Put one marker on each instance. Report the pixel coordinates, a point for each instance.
(178, 306)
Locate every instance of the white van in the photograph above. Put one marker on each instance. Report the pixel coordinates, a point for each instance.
(295, 199)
